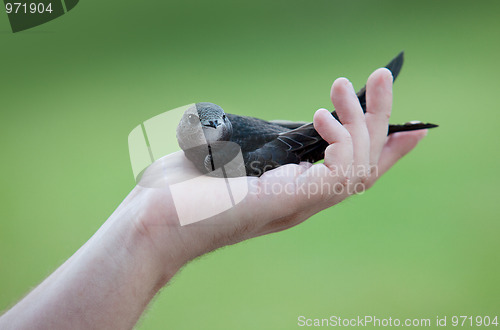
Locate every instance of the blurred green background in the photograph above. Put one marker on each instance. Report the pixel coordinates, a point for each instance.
(424, 242)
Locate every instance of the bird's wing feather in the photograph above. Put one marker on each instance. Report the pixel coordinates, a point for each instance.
(287, 148)
(288, 123)
(300, 138)
(252, 133)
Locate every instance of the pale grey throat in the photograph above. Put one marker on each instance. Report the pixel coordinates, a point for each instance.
(213, 134)
(216, 126)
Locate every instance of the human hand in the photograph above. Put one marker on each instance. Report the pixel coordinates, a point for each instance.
(359, 152)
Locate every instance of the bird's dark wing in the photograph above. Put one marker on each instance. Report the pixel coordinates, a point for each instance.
(252, 133)
(291, 147)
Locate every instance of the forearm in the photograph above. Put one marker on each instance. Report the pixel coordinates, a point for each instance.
(107, 283)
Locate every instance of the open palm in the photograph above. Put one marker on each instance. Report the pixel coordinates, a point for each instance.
(215, 211)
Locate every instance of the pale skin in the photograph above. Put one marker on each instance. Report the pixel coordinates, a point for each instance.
(110, 280)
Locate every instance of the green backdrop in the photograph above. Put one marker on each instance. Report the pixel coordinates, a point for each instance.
(424, 242)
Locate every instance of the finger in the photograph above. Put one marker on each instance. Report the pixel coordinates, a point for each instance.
(398, 145)
(378, 110)
(339, 153)
(352, 118)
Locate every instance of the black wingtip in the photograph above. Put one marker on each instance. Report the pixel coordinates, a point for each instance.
(396, 64)
(412, 126)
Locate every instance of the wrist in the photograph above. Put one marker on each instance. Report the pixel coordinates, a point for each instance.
(156, 231)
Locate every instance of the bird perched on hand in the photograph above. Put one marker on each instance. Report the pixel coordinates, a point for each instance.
(210, 138)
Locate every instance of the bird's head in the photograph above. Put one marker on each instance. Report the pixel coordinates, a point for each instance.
(203, 123)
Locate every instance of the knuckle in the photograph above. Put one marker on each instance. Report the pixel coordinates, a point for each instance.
(386, 115)
(346, 137)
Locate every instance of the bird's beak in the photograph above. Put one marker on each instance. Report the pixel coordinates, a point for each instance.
(211, 123)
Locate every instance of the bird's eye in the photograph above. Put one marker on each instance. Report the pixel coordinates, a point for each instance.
(224, 117)
(193, 119)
